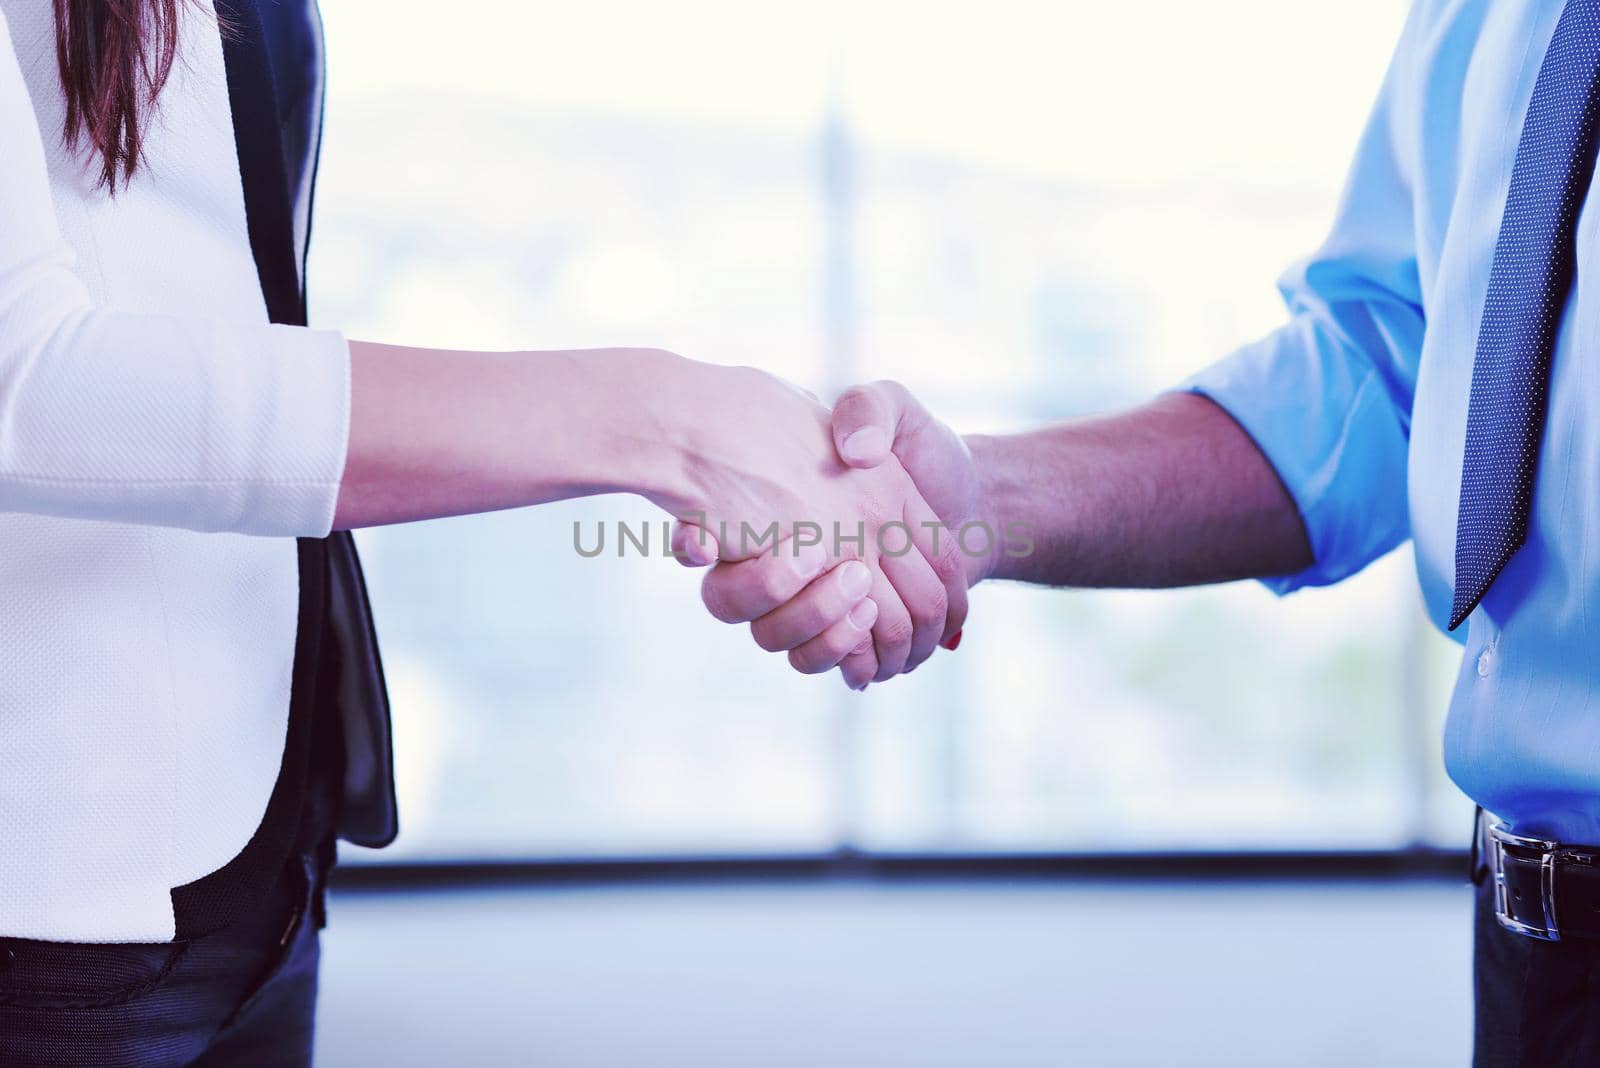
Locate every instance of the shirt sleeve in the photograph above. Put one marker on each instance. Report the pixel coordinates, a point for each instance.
(1327, 397)
(161, 420)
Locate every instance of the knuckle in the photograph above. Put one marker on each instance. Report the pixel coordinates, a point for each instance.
(804, 661)
(715, 597)
(930, 611)
(947, 562)
(834, 647)
(891, 389)
(816, 615)
(858, 668)
(840, 644)
(955, 618)
(860, 395)
(766, 636)
(772, 584)
(894, 632)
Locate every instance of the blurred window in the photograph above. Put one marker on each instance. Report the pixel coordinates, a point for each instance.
(1026, 211)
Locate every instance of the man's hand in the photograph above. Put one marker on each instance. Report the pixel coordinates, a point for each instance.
(1172, 493)
(762, 460)
(883, 420)
(874, 426)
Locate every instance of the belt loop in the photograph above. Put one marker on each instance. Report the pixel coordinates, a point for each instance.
(1477, 869)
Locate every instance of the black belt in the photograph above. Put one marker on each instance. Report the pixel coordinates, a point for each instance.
(1542, 889)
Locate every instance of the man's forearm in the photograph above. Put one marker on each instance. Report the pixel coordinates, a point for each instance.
(1173, 493)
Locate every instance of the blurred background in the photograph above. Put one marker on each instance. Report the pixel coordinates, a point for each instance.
(1026, 211)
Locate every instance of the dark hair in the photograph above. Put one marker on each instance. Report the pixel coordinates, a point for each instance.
(115, 55)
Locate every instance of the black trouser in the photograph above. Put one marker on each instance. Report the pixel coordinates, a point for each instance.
(240, 997)
(1537, 1004)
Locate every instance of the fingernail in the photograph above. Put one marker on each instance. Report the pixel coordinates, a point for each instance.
(864, 444)
(855, 579)
(807, 560)
(953, 642)
(864, 615)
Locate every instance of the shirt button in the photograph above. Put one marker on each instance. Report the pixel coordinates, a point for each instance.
(1485, 663)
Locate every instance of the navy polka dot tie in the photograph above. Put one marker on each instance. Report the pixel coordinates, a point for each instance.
(1529, 280)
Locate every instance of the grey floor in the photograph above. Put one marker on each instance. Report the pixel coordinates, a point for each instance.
(839, 975)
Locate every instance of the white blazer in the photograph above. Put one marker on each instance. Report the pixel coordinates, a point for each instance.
(161, 447)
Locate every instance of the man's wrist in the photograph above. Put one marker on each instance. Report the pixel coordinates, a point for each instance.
(985, 461)
(1028, 511)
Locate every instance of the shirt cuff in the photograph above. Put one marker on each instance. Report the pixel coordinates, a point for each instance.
(1324, 420)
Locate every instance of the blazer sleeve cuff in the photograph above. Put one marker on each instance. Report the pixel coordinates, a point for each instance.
(179, 422)
(292, 454)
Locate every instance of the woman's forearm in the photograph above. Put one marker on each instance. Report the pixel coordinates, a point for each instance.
(744, 456)
(437, 433)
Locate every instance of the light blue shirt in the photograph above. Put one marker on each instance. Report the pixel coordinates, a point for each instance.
(1360, 402)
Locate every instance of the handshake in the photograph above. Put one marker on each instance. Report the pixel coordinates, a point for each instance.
(847, 538)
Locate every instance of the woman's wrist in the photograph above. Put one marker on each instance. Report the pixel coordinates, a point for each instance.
(655, 450)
